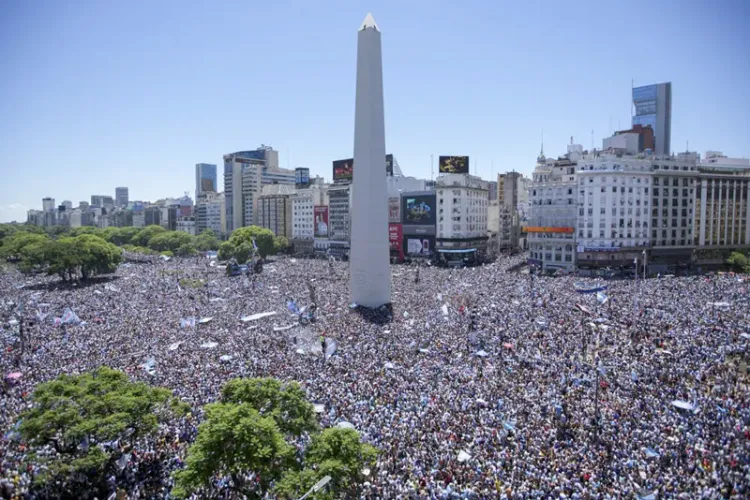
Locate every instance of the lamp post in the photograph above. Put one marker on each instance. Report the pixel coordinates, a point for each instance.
(316, 487)
(644, 264)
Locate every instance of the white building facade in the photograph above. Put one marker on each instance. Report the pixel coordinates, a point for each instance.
(462, 202)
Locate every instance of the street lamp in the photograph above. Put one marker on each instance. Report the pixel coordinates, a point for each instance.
(317, 487)
(644, 264)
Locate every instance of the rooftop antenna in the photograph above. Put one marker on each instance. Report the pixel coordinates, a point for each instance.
(542, 151)
(432, 167)
(592, 139)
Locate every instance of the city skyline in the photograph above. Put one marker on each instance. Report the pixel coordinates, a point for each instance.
(105, 130)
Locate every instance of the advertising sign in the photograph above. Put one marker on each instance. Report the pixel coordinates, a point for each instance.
(320, 212)
(343, 170)
(419, 209)
(394, 209)
(395, 237)
(536, 229)
(453, 165)
(419, 246)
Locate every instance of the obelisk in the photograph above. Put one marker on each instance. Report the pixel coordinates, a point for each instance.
(369, 256)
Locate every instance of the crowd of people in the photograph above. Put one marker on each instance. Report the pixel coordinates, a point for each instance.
(484, 382)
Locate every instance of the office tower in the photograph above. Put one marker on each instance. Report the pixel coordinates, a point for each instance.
(205, 178)
(245, 174)
(653, 107)
(370, 255)
(68, 205)
(48, 204)
(210, 212)
(121, 197)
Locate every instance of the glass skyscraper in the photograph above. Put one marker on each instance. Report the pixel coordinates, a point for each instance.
(653, 107)
(205, 178)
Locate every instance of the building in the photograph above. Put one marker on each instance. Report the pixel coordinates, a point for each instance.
(722, 210)
(274, 209)
(339, 220)
(653, 107)
(492, 195)
(553, 211)
(68, 205)
(301, 177)
(102, 201)
(186, 225)
(152, 216)
(306, 230)
(397, 184)
(210, 212)
(74, 219)
(83, 205)
(48, 204)
(245, 173)
(614, 209)
(205, 178)
(462, 201)
(121, 197)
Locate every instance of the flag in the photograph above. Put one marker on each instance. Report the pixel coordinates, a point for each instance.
(602, 297)
(69, 317)
(254, 245)
(187, 322)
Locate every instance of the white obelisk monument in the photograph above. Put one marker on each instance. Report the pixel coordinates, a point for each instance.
(369, 256)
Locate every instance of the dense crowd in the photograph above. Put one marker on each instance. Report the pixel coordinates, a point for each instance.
(479, 383)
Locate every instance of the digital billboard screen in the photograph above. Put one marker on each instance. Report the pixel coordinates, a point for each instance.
(419, 209)
(320, 212)
(388, 164)
(419, 246)
(395, 237)
(343, 170)
(453, 165)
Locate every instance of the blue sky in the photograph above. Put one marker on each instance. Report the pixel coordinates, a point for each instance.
(101, 94)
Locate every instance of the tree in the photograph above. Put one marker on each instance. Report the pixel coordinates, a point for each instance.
(335, 452)
(280, 244)
(249, 437)
(77, 231)
(120, 236)
(263, 239)
(85, 255)
(186, 250)
(739, 262)
(14, 244)
(97, 256)
(226, 250)
(206, 241)
(79, 416)
(142, 237)
(169, 240)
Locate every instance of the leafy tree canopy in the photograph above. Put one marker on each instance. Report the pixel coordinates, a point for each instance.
(79, 415)
(142, 237)
(206, 241)
(249, 437)
(169, 240)
(263, 239)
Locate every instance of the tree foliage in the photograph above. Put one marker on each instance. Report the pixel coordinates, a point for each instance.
(206, 241)
(240, 244)
(80, 415)
(739, 262)
(15, 243)
(169, 240)
(142, 237)
(280, 244)
(248, 440)
(120, 236)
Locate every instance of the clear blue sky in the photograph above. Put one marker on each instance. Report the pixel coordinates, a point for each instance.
(98, 94)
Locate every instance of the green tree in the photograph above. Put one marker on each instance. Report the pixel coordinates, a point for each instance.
(77, 231)
(263, 239)
(142, 237)
(206, 241)
(120, 236)
(739, 262)
(169, 240)
(14, 244)
(249, 434)
(280, 244)
(226, 250)
(78, 415)
(335, 452)
(186, 250)
(7, 230)
(96, 255)
(57, 231)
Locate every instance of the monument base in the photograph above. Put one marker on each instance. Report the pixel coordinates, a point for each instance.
(377, 315)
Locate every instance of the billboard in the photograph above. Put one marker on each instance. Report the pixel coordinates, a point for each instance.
(453, 165)
(343, 170)
(320, 212)
(537, 229)
(394, 209)
(301, 177)
(395, 237)
(419, 209)
(419, 246)
(388, 164)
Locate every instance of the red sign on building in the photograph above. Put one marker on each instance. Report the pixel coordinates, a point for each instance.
(395, 238)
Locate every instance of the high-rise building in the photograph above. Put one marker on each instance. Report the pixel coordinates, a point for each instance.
(205, 178)
(68, 205)
(339, 219)
(462, 201)
(245, 173)
(552, 211)
(121, 197)
(653, 107)
(304, 234)
(369, 268)
(274, 209)
(48, 204)
(83, 205)
(102, 201)
(209, 213)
